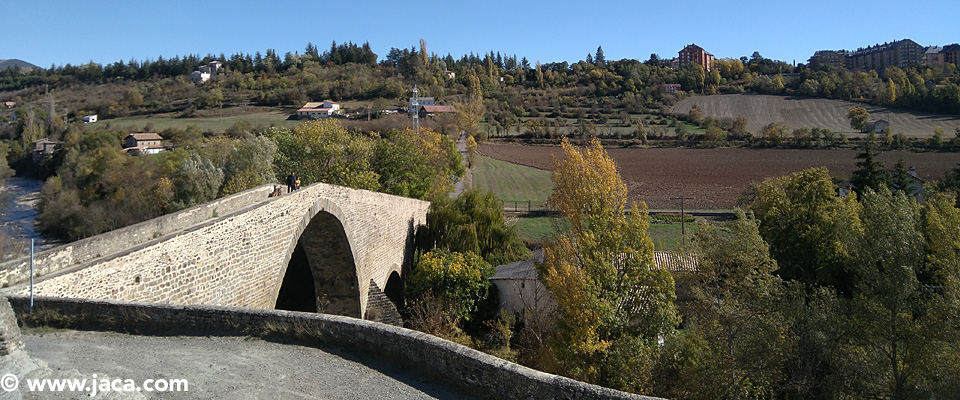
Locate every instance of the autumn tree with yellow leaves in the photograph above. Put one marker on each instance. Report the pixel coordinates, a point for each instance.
(612, 303)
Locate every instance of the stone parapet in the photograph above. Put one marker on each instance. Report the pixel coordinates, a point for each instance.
(488, 376)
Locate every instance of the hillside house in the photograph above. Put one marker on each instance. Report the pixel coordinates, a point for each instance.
(670, 87)
(422, 101)
(204, 73)
(143, 143)
(43, 148)
(89, 118)
(199, 77)
(9, 104)
(318, 110)
(433, 111)
(212, 68)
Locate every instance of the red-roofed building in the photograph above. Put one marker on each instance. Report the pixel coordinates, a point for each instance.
(143, 143)
(432, 111)
(318, 109)
(696, 55)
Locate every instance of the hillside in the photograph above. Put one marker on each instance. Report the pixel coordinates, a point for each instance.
(13, 63)
(796, 112)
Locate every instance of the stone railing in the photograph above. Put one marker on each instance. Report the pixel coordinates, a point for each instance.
(85, 250)
(480, 373)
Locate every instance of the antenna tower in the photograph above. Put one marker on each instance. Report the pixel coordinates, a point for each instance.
(415, 109)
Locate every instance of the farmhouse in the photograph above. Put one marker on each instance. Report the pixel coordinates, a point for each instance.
(199, 77)
(10, 104)
(877, 126)
(318, 109)
(432, 111)
(421, 101)
(520, 290)
(204, 73)
(143, 143)
(89, 118)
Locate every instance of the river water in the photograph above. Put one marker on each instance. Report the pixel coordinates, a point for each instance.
(18, 197)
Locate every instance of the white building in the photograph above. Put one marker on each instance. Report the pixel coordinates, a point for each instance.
(89, 118)
(199, 77)
(318, 109)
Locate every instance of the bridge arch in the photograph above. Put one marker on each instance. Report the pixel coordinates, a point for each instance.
(319, 272)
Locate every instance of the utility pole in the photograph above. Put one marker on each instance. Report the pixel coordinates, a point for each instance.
(683, 232)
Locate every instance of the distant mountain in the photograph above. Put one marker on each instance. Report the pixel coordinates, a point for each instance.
(13, 63)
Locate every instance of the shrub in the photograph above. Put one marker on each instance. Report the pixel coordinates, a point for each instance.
(458, 279)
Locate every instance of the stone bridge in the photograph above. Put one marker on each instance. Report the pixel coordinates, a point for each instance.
(323, 248)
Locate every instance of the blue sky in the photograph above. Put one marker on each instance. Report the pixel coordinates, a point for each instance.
(76, 32)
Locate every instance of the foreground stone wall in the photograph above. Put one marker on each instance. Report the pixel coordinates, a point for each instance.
(481, 373)
(240, 259)
(77, 253)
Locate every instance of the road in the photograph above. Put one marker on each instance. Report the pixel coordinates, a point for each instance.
(234, 367)
(462, 148)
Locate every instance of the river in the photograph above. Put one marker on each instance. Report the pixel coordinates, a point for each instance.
(18, 196)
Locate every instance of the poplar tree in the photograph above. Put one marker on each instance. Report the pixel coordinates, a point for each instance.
(612, 303)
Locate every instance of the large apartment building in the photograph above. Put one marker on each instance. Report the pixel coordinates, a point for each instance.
(902, 53)
(697, 55)
(950, 54)
(833, 58)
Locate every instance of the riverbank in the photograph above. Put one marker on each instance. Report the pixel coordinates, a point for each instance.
(19, 197)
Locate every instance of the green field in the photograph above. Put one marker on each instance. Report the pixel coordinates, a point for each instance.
(539, 228)
(206, 124)
(512, 182)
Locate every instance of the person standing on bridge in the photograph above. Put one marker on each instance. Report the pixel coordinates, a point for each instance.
(292, 182)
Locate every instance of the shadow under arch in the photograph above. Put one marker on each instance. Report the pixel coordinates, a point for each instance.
(394, 289)
(319, 273)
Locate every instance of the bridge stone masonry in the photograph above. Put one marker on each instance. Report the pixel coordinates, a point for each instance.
(323, 248)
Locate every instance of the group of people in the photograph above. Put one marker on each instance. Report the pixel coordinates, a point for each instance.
(293, 183)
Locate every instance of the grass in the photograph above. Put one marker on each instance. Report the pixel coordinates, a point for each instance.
(667, 236)
(206, 124)
(537, 228)
(512, 182)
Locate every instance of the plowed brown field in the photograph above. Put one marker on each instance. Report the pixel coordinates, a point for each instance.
(716, 178)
